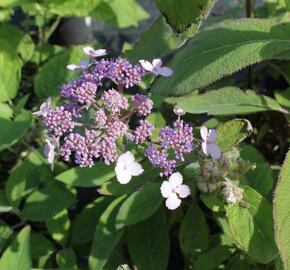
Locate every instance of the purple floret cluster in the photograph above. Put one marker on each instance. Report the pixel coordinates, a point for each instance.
(101, 136)
(177, 139)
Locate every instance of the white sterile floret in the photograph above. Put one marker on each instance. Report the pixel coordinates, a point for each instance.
(173, 190)
(94, 53)
(209, 147)
(84, 64)
(49, 149)
(44, 108)
(156, 67)
(232, 193)
(127, 167)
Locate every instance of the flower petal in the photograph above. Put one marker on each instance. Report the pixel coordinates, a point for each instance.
(212, 136)
(157, 63)
(94, 53)
(123, 176)
(183, 191)
(73, 67)
(203, 133)
(126, 158)
(135, 168)
(165, 71)
(172, 202)
(146, 65)
(175, 179)
(166, 189)
(204, 147)
(214, 151)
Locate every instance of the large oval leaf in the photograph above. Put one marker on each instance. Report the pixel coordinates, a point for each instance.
(106, 236)
(17, 255)
(139, 205)
(148, 242)
(222, 50)
(10, 66)
(252, 227)
(227, 101)
(282, 213)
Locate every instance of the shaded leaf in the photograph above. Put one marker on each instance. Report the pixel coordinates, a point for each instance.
(87, 177)
(46, 202)
(148, 242)
(148, 198)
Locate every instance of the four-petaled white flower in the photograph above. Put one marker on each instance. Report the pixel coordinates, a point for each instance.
(155, 67)
(209, 147)
(49, 149)
(94, 53)
(84, 64)
(127, 167)
(44, 108)
(173, 190)
(178, 111)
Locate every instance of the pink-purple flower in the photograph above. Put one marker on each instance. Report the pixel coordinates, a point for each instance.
(209, 147)
(143, 131)
(114, 101)
(156, 67)
(142, 104)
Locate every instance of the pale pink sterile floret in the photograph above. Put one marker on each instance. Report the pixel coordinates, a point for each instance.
(84, 64)
(44, 108)
(156, 67)
(173, 190)
(94, 53)
(209, 147)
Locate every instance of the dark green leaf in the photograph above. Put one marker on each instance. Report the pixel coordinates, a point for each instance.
(148, 198)
(148, 242)
(40, 246)
(66, 258)
(87, 177)
(5, 233)
(46, 202)
(106, 236)
(193, 234)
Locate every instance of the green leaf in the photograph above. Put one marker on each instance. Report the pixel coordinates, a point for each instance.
(17, 255)
(40, 246)
(4, 204)
(221, 50)
(5, 233)
(283, 97)
(88, 218)
(238, 262)
(123, 13)
(106, 236)
(66, 258)
(12, 131)
(252, 228)
(10, 66)
(281, 213)
(147, 198)
(183, 13)
(77, 8)
(148, 242)
(211, 259)
(156, 42)
(21, 42)
(213, 201)
(58, 227)
(5, 111)
(46, 202)
(233, 132)
(261, 178)
(25, 178)
(87, 177)
(193, 234)
(53, 73)
(227, 101)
